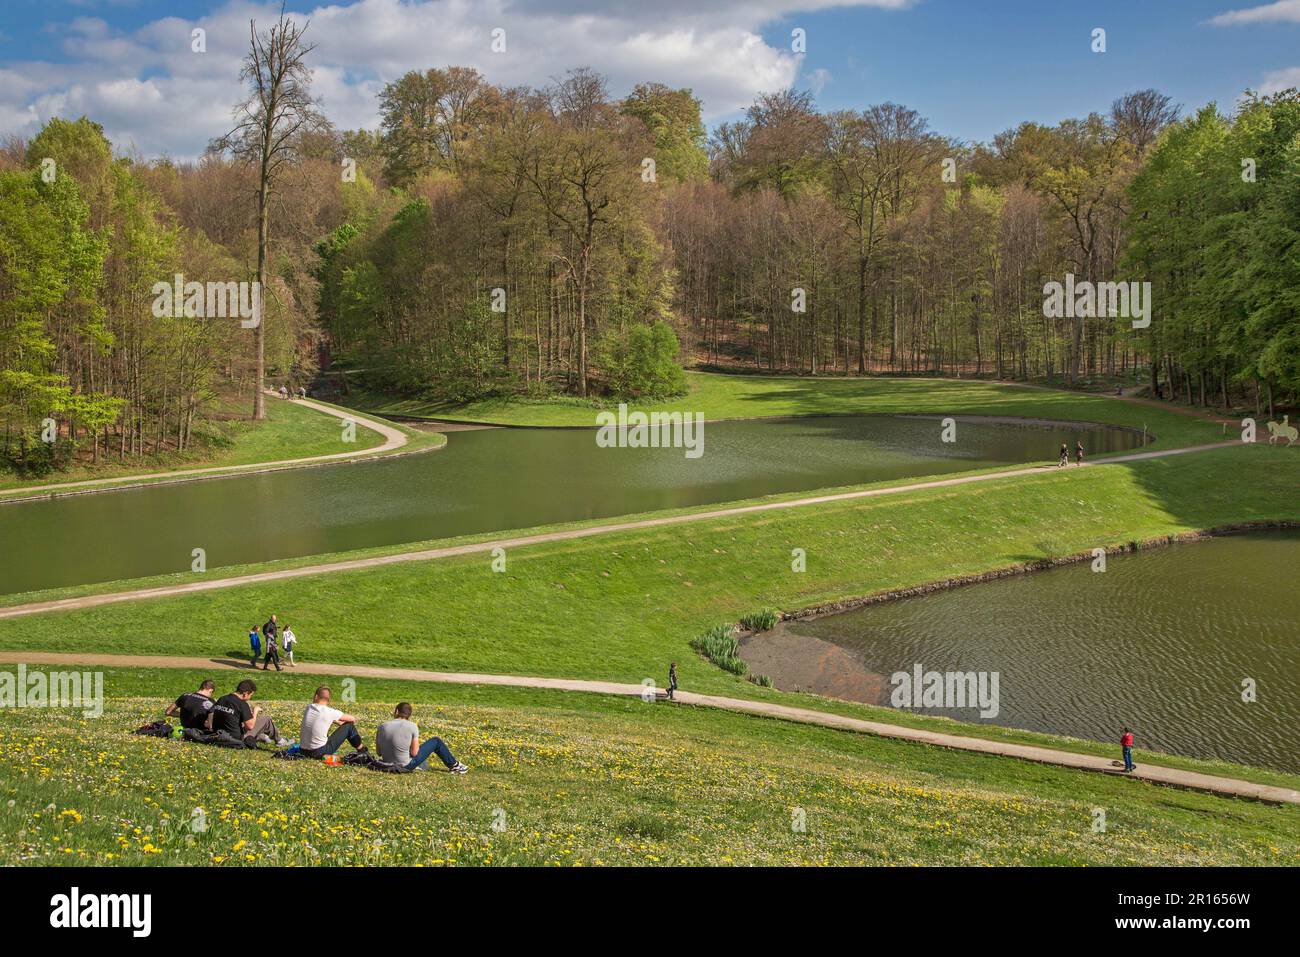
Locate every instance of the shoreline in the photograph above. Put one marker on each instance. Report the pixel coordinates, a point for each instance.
(386, 449)
(1026, 568)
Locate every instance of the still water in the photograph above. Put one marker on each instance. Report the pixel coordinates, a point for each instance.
(1161, 641)
(490, 480)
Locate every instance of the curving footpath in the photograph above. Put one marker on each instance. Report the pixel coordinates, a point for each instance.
(430, 554)
(393, 439)
(1170, 777)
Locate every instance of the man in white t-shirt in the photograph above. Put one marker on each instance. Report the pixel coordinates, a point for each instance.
(316, 741)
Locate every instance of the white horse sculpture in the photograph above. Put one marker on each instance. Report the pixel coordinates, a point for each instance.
(1283, 430)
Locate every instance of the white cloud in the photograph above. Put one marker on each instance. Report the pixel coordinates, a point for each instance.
(1283, 11)
(1278, 80)
(149, 90)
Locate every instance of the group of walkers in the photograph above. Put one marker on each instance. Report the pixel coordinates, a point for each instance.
(272, 637)
(287, 393)
(1065, 455)
(234, 721)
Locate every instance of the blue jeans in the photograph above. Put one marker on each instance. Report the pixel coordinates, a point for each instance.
(432, 746)
(344, 732)
(1128, 759)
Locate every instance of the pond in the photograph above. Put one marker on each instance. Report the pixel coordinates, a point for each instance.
(491, 480)
(1164, 641)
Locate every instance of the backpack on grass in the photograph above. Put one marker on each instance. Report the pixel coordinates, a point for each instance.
(156, 729)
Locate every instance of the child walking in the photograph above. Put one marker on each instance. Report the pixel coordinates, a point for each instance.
(289, 639)
(255, 642)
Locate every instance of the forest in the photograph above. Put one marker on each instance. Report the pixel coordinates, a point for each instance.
(486, 240)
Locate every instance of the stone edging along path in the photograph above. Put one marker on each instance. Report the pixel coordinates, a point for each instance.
(430, 554)
(1172, 777)
(393, 439)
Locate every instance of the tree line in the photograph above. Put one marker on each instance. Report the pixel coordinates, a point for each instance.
(505, 240)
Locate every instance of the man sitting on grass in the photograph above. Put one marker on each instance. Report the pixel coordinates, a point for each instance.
(233, 716)
(316, 740)
(195, 707)
(398, 742)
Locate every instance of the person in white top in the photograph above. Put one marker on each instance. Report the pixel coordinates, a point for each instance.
(315, 740)
(289, 639)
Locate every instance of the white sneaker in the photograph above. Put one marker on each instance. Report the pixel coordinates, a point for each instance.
(458, 768)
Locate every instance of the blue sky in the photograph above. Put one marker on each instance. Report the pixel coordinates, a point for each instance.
(973, 68)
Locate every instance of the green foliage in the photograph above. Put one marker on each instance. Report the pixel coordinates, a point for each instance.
(50, 267)
(673, 119)
(764, 620)
(1214, 225)
(642, 362)
(720, 646)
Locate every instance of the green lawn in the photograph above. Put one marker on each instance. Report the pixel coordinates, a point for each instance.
(588, 778)
(738, 397)
(565, 779)
(290, 431)
(621, 606)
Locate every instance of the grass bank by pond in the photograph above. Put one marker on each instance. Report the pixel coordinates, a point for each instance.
(739, 397)
(581, 779)
(291, 431)
(621, 606)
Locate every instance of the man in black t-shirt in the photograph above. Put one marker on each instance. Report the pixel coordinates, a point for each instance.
(195, 707)
(232, 715)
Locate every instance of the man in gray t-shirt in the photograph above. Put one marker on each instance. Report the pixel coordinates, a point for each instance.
(398, 742)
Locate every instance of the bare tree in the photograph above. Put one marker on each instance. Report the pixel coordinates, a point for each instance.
(1139, 117)
(268, 126)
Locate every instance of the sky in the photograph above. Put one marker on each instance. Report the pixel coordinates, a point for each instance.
(972, 67)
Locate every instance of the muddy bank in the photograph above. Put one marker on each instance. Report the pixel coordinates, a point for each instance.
(804, 663)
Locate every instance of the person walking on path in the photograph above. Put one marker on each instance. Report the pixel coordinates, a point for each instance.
(1065, 456)
(1078, 453)
(672, 681)
(255, 642)
(290, 640)
(272, 653)
(1126, 742)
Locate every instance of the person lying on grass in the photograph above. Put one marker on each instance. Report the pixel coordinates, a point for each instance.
(316, 740)
(195, 707)
(232, 715)
(398, 742)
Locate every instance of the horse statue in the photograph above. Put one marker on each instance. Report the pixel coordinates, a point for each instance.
(1283, 430)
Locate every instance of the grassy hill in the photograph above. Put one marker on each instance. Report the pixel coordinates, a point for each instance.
(572, 779)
